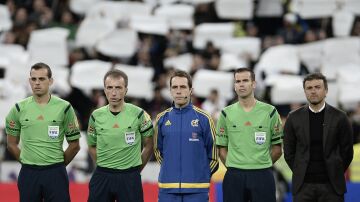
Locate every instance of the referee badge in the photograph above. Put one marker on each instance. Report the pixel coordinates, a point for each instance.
(130, 137)
(53, 131)
(260, 137)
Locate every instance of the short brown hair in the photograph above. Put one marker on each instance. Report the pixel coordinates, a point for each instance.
(180, 73)
(245, 69)
(116, 73)
(41, 65)
(315, 76)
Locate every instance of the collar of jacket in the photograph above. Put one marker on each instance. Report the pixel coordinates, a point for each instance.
(183, 109)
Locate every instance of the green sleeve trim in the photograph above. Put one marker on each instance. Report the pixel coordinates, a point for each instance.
(74, 134)
(141, 113)
(17, 107)
(67, 109)
(222, 111)
(149, 128)
(272, 113)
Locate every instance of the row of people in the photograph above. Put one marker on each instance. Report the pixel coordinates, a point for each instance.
(248, 139)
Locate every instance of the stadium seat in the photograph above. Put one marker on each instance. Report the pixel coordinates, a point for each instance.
(92, 30)
(178, 16)
(149, 24)
(49, 46)
(206, 80)
(215, 32)
(245, 47)
(342, 23)
(312, 9)
(140, 84)
(234, 9)
(80, 7)
(269, 8)
(5, 18)
(88, 75)
(181, 62)
(120, 43)
(310, 55)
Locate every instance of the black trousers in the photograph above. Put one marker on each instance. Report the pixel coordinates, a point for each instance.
(43, 183)
(108, 185)
(241, 185)
(313, 192)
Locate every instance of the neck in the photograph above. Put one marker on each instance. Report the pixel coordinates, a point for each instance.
(317, 107)
(42, 99)
(116, 108)
(248, 103)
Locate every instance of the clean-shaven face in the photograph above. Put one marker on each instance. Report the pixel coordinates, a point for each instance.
(180, 91)
(115, 90)
(243, 84)
(40, 82)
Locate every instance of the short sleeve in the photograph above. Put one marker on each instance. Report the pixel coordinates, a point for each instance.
(221, 131)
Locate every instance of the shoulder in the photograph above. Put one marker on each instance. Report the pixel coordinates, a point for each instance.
(99, 112)
(229, 108)
(133, 110)
(22, 104)
(59, 101)
(201, 113)
(298, 111)
(337, 112)
(163, 113)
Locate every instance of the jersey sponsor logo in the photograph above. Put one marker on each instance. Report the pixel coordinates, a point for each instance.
(260, 138)
(222, 130)
(130, 137)
(247, 123)
(195, 123)
(12, 124)
(115, 125)
(168, 123)
(91, 129)
(41, 117)
(194, 137)
(53, 132)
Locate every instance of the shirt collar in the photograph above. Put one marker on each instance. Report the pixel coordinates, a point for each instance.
(322, 108)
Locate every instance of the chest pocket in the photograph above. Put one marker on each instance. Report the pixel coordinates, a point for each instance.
(261, 135)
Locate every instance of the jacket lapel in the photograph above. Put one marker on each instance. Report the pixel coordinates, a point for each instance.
(326, 124)
(306, 124)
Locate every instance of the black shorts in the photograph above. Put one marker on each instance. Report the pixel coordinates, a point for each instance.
(121, 185)
(257, 185)
(48, 183)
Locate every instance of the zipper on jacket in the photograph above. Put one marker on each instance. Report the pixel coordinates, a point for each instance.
(181, 114)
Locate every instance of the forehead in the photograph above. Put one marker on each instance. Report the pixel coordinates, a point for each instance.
(114, 81)
(39, 72)
(314, 82)
(179, 81)
(242, 75)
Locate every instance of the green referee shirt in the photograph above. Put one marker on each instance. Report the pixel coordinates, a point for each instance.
(118, 137)
(249, 135)
(42, 129)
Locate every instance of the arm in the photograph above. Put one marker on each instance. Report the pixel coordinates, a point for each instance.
(92, 152)
(223, 153)
(71, 151)
(276, 152)
(12, 146)
(158, 140)
(345, 139)
(147, 150)
(289, 142)
(211, 150)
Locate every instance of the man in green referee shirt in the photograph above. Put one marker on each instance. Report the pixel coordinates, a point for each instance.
(120, 141)
(249, 137)
(41, 122)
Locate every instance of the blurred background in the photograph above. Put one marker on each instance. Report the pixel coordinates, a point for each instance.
(282, 40)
